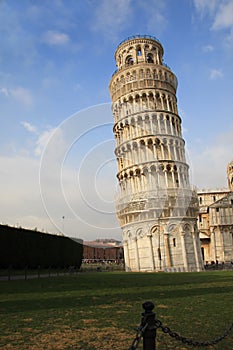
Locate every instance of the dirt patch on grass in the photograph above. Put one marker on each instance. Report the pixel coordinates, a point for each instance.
(161, 306)
(67, 339)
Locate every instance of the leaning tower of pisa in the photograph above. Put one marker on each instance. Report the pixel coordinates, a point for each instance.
(156, 206)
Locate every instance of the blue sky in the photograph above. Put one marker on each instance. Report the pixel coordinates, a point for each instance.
(56, 144)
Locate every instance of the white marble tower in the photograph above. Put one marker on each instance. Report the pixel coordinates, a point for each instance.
(156, 206)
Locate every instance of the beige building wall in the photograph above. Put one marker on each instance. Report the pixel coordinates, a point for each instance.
(215, 223)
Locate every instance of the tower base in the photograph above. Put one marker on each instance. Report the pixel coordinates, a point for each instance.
(155, 248)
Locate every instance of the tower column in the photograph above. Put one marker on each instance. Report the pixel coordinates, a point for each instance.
(159, 125)
(167, 249)
(173, 178)
(131, 184)
(166, 179)
(213, 244)
(195, 251)
(151, 125)
(182, 236)
(136, 254)
(165, 124)
(149, 235)
(126, 254)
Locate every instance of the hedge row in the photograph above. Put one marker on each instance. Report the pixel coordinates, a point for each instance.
(20, 247)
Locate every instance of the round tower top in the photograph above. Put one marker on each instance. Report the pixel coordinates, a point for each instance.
(138, 49)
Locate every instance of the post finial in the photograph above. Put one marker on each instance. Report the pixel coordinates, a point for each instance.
(148, 306)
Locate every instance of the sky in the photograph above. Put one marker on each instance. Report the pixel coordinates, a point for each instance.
(57, 163)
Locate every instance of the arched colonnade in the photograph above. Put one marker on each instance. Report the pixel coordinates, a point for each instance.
(147, 124)
(141, 178)
(150, 149)
(144, 77)
(144, 101)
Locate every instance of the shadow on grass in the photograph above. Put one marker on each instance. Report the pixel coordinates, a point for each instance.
(79, 300)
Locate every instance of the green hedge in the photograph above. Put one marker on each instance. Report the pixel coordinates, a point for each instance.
(20, 247)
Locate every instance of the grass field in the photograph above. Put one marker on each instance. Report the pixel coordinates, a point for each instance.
(100, 310)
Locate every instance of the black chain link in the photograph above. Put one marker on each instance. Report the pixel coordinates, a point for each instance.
(184, 340)
(158, 324)
(140, 330)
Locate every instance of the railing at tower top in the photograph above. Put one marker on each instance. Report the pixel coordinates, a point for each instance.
(139, 36)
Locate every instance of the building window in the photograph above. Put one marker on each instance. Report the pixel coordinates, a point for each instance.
(217, 210)
(214, 198)
(121, 163)
(174, 242)
(200, 218)
(139, 52)
(149, 58)
(129, 60)
(200, 200)
(159, 254)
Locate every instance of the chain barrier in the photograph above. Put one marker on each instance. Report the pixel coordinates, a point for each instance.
(158, 324)
(140, 331)
(184, 340)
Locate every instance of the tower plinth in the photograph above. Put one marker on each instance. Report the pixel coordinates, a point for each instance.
(156, 207)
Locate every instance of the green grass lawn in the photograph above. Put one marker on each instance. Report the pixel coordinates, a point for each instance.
(100, 310)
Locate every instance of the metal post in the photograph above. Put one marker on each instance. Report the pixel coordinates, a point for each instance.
(149, 334)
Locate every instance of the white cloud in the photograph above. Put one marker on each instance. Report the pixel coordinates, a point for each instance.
(22, 95)
(229, 39)
(156, 20)
(220, 13)
(55, 38)
(17, 42)
(208, 48)
(204, 6)
(29, 127)
(215, 74)
(19, 94)
(209, 163)
(20, 195)
(115, 16)
(50, 82)
(4, 91)
(22, 204)
(161, 23)
(43, 138)
(42, 141)
(224, 16)
(112, 16)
